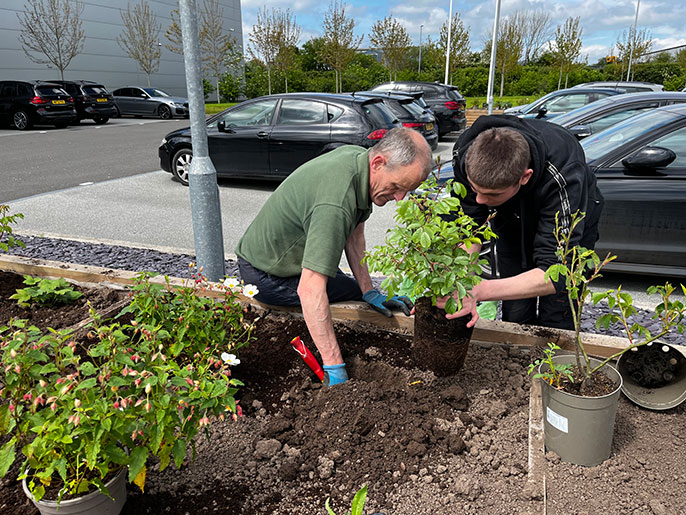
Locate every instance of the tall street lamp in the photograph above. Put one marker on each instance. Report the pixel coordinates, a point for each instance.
(419, 70)
(632, 40)
(447, 47)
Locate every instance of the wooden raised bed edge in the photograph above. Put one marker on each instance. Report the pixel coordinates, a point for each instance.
(486, 331)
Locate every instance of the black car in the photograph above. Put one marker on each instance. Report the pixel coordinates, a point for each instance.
(25, 103)
(269, 137)
(409, 113)
(445, 101)
(92, 100)
(640, 165)
(601, 114)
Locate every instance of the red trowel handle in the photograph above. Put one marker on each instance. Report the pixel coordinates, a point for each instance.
(307, 357)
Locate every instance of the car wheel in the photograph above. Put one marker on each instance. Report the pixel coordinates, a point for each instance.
(164, 112)
(101, 120)
(181, 165)
(21, 120)
(117, 112)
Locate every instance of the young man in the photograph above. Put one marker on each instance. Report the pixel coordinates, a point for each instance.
(292, 249)
(526, 171)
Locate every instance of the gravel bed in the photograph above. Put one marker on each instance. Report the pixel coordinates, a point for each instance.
(140, 259)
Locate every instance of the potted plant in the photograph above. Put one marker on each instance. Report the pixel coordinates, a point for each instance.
(580, 393)
(82, 412)
(426, 256)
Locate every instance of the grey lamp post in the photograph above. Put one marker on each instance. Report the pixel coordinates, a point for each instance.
(632, 42)
(419, 70)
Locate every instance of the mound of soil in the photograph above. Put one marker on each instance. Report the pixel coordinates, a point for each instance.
(424, 445)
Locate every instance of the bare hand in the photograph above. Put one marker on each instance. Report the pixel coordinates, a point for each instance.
(468, 307)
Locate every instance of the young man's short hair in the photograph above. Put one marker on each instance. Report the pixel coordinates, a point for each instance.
(497, 158)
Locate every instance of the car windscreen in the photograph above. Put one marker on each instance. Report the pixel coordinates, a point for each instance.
(580, 112)
(50, 90)
(600, 144)
(154, 92)
(94, 90)
(379, 114)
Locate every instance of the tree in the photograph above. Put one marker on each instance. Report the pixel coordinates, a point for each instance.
(218, 49)
(140, 37)
(459, 43)
(173, 34)
(264, 43)
(567, 46)
(287, 35)
(632, 45)
(536, 33)
(51, 32)
(392, 39)
(509, 46)
(339, 41)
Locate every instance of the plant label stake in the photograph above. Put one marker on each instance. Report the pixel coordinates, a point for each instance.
(307, 357)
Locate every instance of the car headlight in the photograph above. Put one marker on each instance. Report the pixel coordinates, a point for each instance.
(164, 142)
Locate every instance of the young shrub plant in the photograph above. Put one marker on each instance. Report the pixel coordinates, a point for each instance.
(142, 386)
(7, 240)
(47, 292)
(427, 252)
(580, 267)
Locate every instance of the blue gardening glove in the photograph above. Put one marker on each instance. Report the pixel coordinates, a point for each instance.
(335, 374)
(378, 302)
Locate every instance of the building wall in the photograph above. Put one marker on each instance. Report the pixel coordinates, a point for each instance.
(102, 59)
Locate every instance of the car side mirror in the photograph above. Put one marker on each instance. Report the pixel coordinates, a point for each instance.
(581, 131)
(542, 111)
(649, 157)
(221, 126)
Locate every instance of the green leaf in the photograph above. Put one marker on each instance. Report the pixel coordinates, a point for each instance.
(179, 452)
(487, 310)
(87, 369)
(4, 417)
(7, 456)
(137, 460)
(88, 383)
(451, 306)
(359, 500)
(328, 508)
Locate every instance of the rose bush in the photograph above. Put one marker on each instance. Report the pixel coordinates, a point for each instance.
(139, 386)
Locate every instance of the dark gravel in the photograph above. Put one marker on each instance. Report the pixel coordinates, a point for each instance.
(138, 259)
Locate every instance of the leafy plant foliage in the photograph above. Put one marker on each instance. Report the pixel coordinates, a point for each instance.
(47, 292)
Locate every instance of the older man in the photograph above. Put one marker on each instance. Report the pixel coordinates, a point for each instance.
(292, 249)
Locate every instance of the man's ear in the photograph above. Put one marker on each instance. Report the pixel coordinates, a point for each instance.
(526, 176)
(377, 162)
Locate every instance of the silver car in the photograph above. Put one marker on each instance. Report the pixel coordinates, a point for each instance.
(136, 101)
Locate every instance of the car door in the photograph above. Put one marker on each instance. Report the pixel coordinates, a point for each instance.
(300, 133)
(122, 97)
(7, 93)
(239, 139)
(644, 218)
(141, 102)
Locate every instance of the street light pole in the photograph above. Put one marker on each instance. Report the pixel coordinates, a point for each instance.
(494, 45)
(632, 36)
(447, 47)
(419, 70)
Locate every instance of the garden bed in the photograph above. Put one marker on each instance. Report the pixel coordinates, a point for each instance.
(423, 445)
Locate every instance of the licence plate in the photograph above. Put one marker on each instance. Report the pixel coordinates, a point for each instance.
(58, 102)
(429, 126)
(102, 100)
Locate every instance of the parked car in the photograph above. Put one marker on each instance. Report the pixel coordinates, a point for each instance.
(409, 113)
(445, 101)
(269, 137)
(560, 102)
(601, 114)
(640, 164)
(91, 100)
(136, 101)
(25, 103)
(628, 86)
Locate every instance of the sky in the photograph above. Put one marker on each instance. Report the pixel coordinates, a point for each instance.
(602, 20)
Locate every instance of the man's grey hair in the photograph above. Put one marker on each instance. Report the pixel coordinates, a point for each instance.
(400, 148)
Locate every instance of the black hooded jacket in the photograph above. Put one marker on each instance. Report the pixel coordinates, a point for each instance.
(561, 182)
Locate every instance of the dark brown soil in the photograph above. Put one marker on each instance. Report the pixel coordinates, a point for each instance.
(597, 385)
(439, 345)
(57, 317)
(424, 445)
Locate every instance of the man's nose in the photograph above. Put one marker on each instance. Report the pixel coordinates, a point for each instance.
(399, 195)
(480, 199)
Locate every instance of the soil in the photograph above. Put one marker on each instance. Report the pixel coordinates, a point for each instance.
(423, 444)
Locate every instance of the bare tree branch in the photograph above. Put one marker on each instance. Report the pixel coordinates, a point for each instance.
(340, 42)
(567, 46)
(173, 34)
(51, 32)
(140, 37)
(536, 33)
(459, 43)
(392, 39)
(217, 47)
(264, 44)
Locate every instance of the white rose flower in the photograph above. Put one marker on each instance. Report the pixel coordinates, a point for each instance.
(250, 290)
(231, 282)
(230, 359)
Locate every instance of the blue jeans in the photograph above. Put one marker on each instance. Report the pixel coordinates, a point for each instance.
(283, 291)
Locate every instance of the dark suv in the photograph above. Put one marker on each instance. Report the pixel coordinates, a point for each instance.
(269, 137)
(445, 101)
(92, 100)
(25, 103)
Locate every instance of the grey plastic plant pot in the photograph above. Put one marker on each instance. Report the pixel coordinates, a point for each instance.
(579, 429)
(643, 367)
(95, 503)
